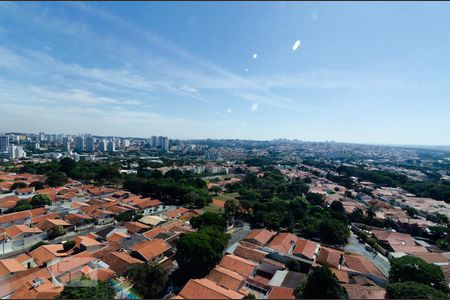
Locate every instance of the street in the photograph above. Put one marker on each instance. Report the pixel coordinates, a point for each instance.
(381, 262)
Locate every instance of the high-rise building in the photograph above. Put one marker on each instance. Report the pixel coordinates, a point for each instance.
(164, 144)
(111, 146)
(126, 143)
(154, 142)
(103, 146)
(79, 143)
(4, 143)
(16, 152)
(90, 144)
(41, 136)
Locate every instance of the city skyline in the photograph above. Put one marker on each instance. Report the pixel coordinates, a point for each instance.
(256, 71)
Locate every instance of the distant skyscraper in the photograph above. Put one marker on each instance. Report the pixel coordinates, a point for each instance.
(164, 144)
(4, 143)
(154, 142)
(103, 146)
(126, 143)
(41, 136)
(111, 146)
(90, 144)
(79, 143)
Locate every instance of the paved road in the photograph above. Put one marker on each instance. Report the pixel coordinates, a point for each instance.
(381, 262)
(239, 234)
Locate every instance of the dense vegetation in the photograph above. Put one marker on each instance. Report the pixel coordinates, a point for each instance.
(321, 284)
(277, 203)
(411, 277)
(87, 289)
(149, 280)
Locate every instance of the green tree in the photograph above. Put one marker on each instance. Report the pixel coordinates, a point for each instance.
(198, 252)
(333, 232)
(67, 165)
(230, 208)
(37, 245)
(371, 212)
(315, 198)
(411, 211)
(56, 179)
(18, 185)
(322, 284)
(149, 280)
(215, 189)
(357, 215)
(68, 245)
(337, 205)
(40, 200)
(55, 232)
(413, 290)
(293, 265)
(125, 216)
(22, 205)
(209, 219)
(413, 269)
(87, 289)
(38, 185)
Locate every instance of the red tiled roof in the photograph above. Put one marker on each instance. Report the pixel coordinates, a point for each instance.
(283, 242)
(261, 236)
(226, 278)
(248, 253)
(119, 262)
(151, 249)
(206, 289)
(278, 292)
(238, 264)
(136, 227)
(357, 291)
(174, 213)
(306, 248)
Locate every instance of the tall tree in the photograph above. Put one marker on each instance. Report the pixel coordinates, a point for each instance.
(322, 284)
(149, 280)
(88, 289)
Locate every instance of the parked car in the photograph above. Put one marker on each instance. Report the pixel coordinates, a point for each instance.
(368, 248)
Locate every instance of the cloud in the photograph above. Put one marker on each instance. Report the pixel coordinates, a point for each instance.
(229, 110)
(254, 107)
(296, 45)
(255, 55)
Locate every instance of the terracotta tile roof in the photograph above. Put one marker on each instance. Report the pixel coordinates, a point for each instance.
(18, 280)
(329, 257)
(7, 218)
(86, 241)
(357, 291)
(46, 253)
(260, 236)
(50, 223)
(10, 265)
(274, 263)
(394, 238)
(248, 253)
(283, 242)
(278, 292)
(177, 212)
(119, 262)
(238, 264)
(206, 289)
(305, 248)
(136, 227)
(22, 258)
(408, 249)
(226, 278)
(45, 217)
(117, 236)
(76, 218)
(151, 249)
(100, 274)
(154, 232)
(341, 275)
(50, 192)
(149, 203)
(432, 258)
(446, 271)
(15, 230)
(45, 290)
(71, 265)
(363, 265)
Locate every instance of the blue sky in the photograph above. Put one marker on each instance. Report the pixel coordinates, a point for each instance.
(368, 72)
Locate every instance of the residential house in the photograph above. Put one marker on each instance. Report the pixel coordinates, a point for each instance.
(260, 236)
(207, 289)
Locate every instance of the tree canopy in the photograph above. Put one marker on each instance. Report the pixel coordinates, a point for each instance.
(88, 289)
(40, 200)
(413, 290)
(198, 252)
(413, 269)
(149, 280)
(322, 284)
(209, 219)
